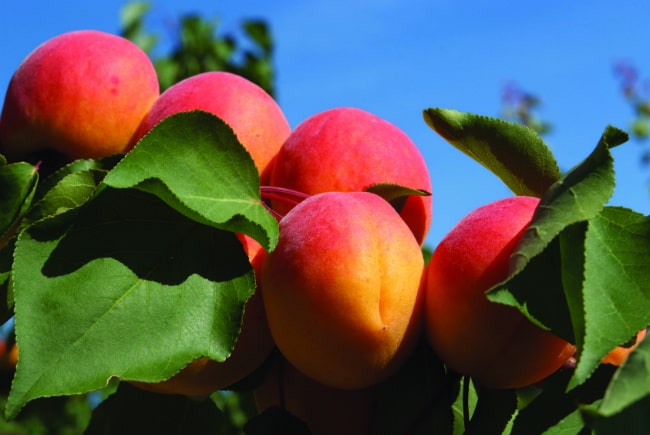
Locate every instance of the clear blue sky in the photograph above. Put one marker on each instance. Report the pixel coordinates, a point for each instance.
(395, 58)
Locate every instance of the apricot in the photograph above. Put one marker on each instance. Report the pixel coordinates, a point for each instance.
(82, 94)
(495, 344)
(620, 353)
(325, 410)
(347, 149)
(254, 345)
(342, 289)
(254, 116)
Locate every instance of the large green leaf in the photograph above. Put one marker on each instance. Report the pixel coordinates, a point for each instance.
(125, 287)
(194, 162)
(514, 153)
(616, 287)
(535, 284)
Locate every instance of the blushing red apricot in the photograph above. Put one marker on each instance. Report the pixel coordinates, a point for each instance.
(342, 289)
(347, 149)
(254, 116)
(493, 343)
(82, 93)
(254, 345)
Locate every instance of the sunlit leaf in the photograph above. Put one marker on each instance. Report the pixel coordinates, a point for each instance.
(514, 153)
(126, 287)
(616, 284)
(194, 162)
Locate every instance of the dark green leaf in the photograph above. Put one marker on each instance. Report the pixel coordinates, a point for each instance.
(194, 162)
(126, 287)
(18, 183)
(133, 411)
(633, 420)
(275, 421)
(514, 153)
(554, 405)
(395, 194)
(494, 410)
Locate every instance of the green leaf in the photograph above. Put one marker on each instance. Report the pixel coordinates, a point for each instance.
(194, 162)
(123, 287)
(553, 409)
(464, 402)
(514, 153)
(18, 183)
(616, 288)
(133, 411)
(395, 194)
(535, 285)
(72, 191)
(629, 383)
(633, 420)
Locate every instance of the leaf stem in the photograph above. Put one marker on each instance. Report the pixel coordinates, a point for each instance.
(466, 416)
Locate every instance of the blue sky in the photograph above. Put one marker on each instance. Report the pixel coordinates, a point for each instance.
(396, 58)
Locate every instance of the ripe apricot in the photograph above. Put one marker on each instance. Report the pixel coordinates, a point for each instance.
(496, 344)
(620, 353)
(254, 345)
(348, 149)
(82, 94)
(342, 289)
(254, 116)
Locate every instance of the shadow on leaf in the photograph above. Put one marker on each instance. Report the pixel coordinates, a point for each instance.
(150, 238)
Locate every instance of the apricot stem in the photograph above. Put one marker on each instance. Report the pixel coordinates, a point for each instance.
(282, 194)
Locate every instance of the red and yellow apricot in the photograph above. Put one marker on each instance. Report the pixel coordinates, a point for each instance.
(254, 116)
(493, 343)
(348, 149)
(82, 94)
(342, 289)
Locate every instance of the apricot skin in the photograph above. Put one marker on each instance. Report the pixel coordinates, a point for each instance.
(254, 116)
(347, 149)
(325, 410)
(254, 345)
(493, 343)
(82, 94)
(619, 354)
(342, 289)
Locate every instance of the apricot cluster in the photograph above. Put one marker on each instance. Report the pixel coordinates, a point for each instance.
(345, 296)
